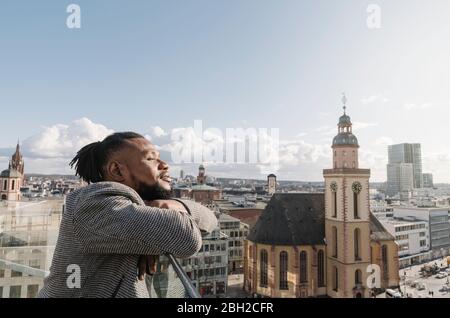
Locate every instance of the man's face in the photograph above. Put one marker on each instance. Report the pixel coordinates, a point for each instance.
(144, 171)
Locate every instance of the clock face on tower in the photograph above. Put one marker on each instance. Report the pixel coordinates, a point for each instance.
(356, 187)
(334, 186)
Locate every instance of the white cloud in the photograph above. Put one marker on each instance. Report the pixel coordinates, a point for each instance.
(374, 99)
(361, 125)
(63, 141)
(384, 141)
(411, 106)
(157, 132)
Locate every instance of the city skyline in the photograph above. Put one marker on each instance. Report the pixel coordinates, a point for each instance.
(153, 67)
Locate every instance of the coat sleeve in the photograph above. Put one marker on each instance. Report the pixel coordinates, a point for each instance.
(203, 217)
(114, 224)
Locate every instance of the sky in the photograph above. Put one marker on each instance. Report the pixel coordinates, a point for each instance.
(155, 67)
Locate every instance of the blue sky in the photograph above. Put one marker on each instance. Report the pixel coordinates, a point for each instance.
(281, 64)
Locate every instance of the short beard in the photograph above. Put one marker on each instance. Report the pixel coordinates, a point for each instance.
(155, 192)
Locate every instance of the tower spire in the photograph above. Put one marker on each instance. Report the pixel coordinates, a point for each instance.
(344, 102)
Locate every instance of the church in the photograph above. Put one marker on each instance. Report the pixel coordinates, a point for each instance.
(323, 244)
(12, 179)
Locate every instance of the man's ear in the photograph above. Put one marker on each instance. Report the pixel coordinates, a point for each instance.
(116, 171)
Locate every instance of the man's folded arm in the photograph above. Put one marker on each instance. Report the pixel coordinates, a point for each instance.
(203, 217)
(116, 225)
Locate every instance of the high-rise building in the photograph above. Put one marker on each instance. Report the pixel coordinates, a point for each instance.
(428, 180)
(408, 153)
(400, 178)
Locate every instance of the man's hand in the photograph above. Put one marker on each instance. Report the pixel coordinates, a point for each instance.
(147, 264)
(167, 204)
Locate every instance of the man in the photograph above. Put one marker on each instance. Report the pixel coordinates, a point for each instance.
(124, 213)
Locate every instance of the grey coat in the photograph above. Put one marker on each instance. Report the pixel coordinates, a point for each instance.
(105, 227)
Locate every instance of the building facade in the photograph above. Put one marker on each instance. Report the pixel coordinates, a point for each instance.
(428, 180)
(208, 269)
(237, 232)
(438, 225)
(413, 237)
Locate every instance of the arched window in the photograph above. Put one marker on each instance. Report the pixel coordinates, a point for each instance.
(335, 241)
(13, 185)
(284, 271)
(335, 279)
(357, 243)
(358, 277)
(384, 260)
(264, 269)
(356, 188)
(321, 268)
(5, 185)
(303, 267)
(334, 188)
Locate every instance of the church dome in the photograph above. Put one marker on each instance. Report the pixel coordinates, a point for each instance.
(344, 120)
(10, 174)
(345, 139)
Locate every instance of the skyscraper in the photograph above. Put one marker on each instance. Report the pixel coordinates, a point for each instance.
(402, 159)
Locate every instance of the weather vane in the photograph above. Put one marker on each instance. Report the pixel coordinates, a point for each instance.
(344, 101)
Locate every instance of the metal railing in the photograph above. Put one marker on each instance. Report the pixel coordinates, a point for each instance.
(191, 292)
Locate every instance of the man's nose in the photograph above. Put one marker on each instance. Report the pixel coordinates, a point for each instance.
(163, 165)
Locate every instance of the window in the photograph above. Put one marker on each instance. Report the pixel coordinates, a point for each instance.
(212, 248)
(335, 241)
(355, 205)
(321, 269)
(283, 271)
(303, 267)
(13, 185)
(335, 204)
(1, 292)
(32, 291)
(356, 188)
(263, 268)
(16, 274)
(206, 248)
(334, 188)
(2, 273)
(423, 243)
(15, 291)
(384, 260)
(335, 279)
(357, 243)
(5, 185)
(358, 277)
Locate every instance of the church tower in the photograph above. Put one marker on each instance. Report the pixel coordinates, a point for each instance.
(201, 178)
(347, 216)
(16, 162)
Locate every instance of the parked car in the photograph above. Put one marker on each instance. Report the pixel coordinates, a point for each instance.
(390, 293)
(421, 286)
